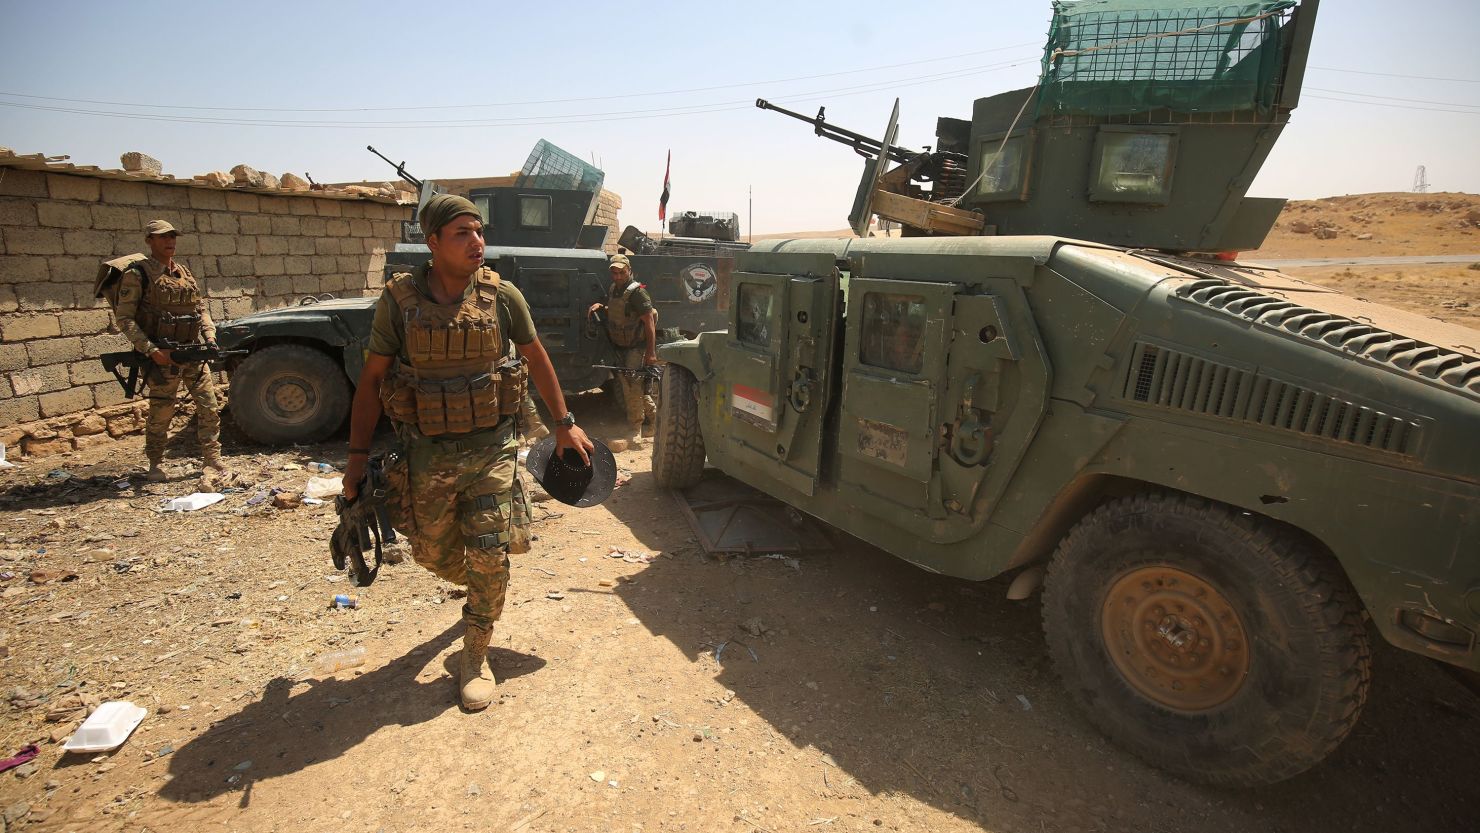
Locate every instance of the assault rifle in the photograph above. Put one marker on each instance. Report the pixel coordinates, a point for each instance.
(649, 371)
(139, 364)
(400, 167)
(363, 525)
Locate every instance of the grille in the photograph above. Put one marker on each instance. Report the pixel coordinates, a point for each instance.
(1182, 382)
(1413, 357)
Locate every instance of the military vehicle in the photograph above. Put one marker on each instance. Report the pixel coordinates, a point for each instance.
(296, 383)
(1219, 473)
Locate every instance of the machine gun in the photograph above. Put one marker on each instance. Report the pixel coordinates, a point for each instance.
(139, 364)
(364, 524)
(649, 372)
(399, 166)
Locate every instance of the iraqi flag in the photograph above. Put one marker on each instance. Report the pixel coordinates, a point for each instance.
(663, 200)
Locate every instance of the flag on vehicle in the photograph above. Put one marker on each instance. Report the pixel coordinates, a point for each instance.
(663, 200)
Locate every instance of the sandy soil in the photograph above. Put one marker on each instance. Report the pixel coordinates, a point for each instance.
(854, 692)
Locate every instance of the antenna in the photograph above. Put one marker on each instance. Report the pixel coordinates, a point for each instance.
(1420, 181)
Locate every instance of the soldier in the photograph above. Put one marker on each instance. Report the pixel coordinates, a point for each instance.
(632, 325)
(159, 302)
(440, 367)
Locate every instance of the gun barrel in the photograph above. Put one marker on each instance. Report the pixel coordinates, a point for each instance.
(859, 142)
(399, 166)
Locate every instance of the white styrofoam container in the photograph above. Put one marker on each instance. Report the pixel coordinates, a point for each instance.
(107, 727)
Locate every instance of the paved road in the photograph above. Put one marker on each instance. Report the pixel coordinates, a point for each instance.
(1396, 260)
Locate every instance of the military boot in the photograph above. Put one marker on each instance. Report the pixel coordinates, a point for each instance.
(211, 458)
(636, 441)
(475, 677)
(156, 470)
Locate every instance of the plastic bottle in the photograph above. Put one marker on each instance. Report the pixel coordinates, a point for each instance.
(320, 467)
(340, 660)
(344, 600)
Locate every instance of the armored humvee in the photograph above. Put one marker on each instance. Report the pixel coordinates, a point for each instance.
(296, 383)
(1220, 473)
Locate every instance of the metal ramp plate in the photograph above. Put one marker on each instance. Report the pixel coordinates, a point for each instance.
(728, 516)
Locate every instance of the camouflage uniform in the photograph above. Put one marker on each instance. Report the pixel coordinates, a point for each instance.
(168, 305)
(459, 499)
(626, 303)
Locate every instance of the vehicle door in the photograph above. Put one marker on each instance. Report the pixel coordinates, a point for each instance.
(941, 361)
(778, 373)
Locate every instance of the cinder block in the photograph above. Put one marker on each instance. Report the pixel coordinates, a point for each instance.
(67, 401)
(121, 192)
(88, 372)
(328, 245)
(108, 393)
(314, 226)
(243, 203)
(20, 409)
(246, 245)
(225, 224)
(187, 246)
(287, 225)
(328, 208)
(234, 265)
(268, 265)
(85, 322)
(237, 307)
(26, 327)
(306, 284)
(274, 286)
(13, 357)
(17, 212)
(255, 224)
(19, 183)
(217, 308)
(105, 343)
(352, 208)
(296, 265)
(40, 380)
(360, 228)
(351, 263)
(8, 302)
(168, 196)
(300, 245)
(23, 269)
(64, 187)
(210, 199)
(203, 223)
(301, 206)
(338, 228)
(88, 243)
(324, 264)
(33, 241)
(119, 218)
(269, 245)
(44, 351)
(5, 390)
(217, 244)
(275, 205)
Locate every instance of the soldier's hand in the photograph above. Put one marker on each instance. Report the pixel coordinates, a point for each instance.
(650, 360)
(354, 472)
(574, 437)
(162, 357)
(594, 307)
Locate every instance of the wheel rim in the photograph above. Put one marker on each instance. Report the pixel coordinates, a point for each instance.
(1175, 638)
(290, 399)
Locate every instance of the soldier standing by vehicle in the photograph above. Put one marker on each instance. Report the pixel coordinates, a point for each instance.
(632, 325)
(440, 367)
(160, 303)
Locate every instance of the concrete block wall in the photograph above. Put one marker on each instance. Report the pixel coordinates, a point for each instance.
(252, 251)
(607, 206)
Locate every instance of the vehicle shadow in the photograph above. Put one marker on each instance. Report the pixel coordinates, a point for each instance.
(896, 680)
(298, 723)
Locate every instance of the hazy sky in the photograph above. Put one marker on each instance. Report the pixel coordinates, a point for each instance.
(623, 83)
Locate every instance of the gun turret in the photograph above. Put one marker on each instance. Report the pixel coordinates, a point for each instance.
(399, 166)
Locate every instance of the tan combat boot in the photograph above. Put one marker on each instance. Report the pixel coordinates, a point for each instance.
(475, 677)
(156, 471)
(637, 435)
(211, 458)
(650, 427)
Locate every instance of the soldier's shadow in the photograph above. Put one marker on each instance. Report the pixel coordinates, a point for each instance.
(299, 723)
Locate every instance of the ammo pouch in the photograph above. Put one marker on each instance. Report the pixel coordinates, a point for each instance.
(453, 404)
(170, 328)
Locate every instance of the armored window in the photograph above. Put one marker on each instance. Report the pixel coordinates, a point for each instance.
(481, 201)
(753, 318)
(1005, 166)
(893, 334)
(534, 212)
(1133, 165)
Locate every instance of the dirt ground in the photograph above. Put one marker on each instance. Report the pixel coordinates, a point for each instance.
(852, 691)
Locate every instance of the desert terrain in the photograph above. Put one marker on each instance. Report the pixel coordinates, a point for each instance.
(644, 685)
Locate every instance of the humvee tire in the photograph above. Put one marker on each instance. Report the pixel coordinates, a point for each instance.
(1222, 648)
(678, 446)
(289, 393)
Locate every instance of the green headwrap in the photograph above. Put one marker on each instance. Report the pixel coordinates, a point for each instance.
(442, 209)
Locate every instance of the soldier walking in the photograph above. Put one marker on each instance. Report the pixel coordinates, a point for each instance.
(160, 304)
(632, 325)
(440, 367)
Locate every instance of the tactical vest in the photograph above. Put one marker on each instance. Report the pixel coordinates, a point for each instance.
(624, 328)
(455, 376)
(168, 309)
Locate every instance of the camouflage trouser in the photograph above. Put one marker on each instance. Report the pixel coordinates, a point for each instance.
(639, 403)
(467, 512)
(530, 423)
(197, 379)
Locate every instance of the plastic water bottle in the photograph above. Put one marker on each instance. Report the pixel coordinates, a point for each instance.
(344, 600)
(340, 660)
(320, 467)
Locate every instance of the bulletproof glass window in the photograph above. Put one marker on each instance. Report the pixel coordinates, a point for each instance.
(1004, 164)
(481, 201)
(753, 318)
(534, 212)
(893, 334)
(547, 289)
(1133, 165)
